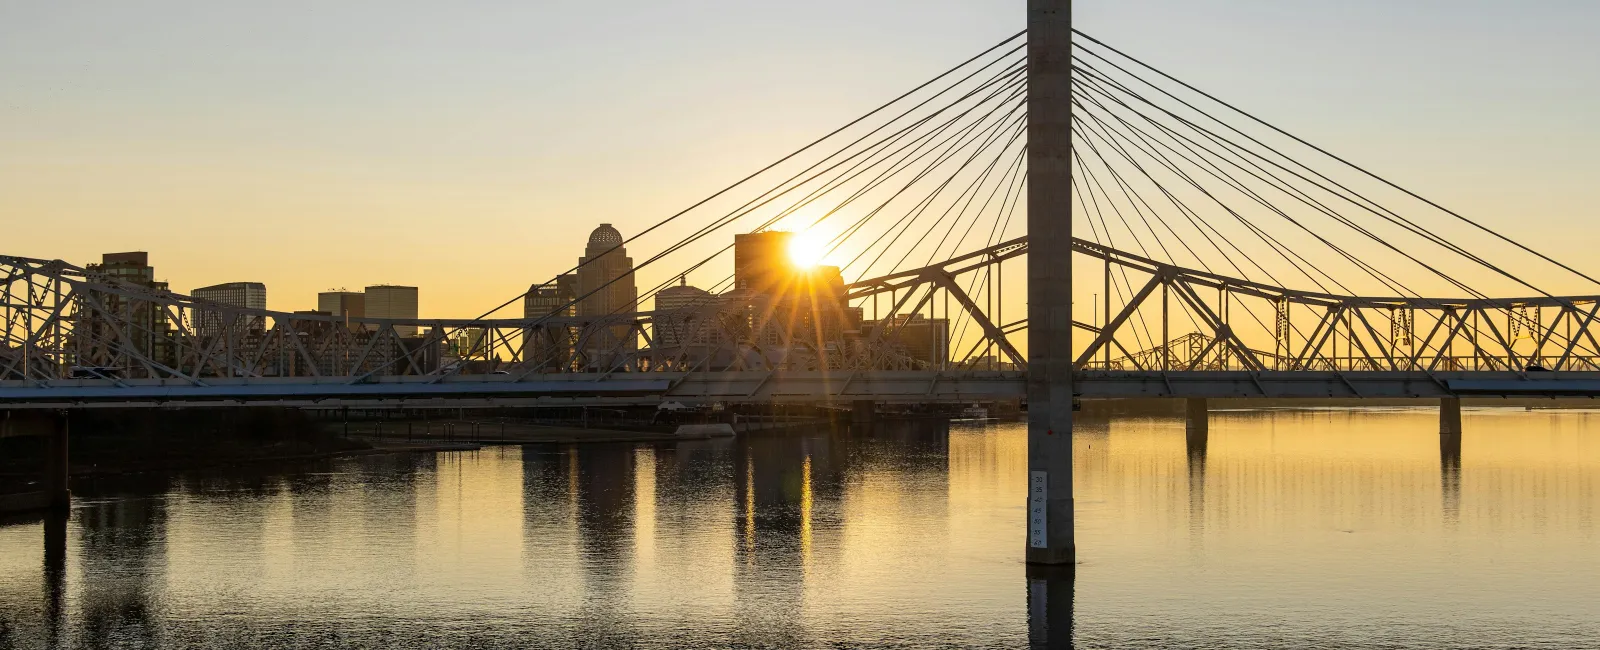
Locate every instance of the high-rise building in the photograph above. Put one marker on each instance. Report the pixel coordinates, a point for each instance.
(554, 298)
(605, 287)
(348, 305)
(923, 339)
(391, 301)
(803, 306)
(147, 330)
(761, 261)
(250, 295)
(549, 345)
(679, 319)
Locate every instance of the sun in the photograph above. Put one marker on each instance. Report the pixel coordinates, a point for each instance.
(806, 250)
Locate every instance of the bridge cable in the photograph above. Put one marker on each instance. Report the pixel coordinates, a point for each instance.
(1325, 152)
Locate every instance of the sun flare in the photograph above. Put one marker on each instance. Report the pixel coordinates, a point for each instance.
(806, 250)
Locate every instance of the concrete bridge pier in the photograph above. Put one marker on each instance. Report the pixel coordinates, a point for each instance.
(863, 411)
(51, 426)
(57, 495)
(1196, 421)
(1449, 416)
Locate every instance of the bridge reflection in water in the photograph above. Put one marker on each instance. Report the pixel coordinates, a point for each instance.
(1324, 521)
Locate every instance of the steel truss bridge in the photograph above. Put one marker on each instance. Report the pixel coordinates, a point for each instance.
(1225, 211)
(1220, 256)
(98, 329)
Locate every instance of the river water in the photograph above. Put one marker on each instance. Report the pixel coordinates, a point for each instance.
(1284, 528)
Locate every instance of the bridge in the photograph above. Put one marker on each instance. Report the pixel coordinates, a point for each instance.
(1223, 257)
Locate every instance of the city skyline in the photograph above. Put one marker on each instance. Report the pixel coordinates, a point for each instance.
(437, 202)
(869, 324)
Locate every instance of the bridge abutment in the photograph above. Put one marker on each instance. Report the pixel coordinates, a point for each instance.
(1449, 416)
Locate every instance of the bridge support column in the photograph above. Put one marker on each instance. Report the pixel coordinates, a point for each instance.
(863, 411)
(1450, 416)
(56, 469)
(1050, 508)
(1197, 421)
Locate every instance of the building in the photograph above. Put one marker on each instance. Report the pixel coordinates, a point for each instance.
(392, 301)
(761, 261)
(679, 318)
(549, 345)
(925, 340)
(605, 287)
(98, 339)
(249, 295)
(552, 299)
(789, 308)
(349, 305)
(468, 343)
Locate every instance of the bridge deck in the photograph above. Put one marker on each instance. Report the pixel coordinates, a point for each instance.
(1354, 384)
(780, 387)
(505, 390)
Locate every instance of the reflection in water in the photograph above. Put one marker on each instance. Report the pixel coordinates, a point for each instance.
(121, 554)
(1050, 593)
(55, 574)
(1279, 528)
(604, 496)
(1450, 476)
(1196, 440)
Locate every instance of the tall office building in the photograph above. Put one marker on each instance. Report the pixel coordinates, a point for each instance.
(678, 320)
(148, 331)
(391, 301)
(605, 287)
(549, 299)
(550, 344)
(923, 339)
(786, 302)
(761, 261)
(349, 305)
(250, 295)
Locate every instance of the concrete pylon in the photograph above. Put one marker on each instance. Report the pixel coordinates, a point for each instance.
(1196, 420)
(1049, 508)
(1450, 416)
(863, 411)
(56, 469)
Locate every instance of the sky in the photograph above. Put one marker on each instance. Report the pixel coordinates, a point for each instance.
(468, 148)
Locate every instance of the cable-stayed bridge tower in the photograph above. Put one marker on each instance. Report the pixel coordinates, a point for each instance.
(1050, 513)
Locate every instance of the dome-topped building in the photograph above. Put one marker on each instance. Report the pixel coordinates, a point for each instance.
(604, 237)
(606, 287)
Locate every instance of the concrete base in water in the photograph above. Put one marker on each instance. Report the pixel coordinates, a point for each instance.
(1197, 418)
(863, 411)
(1450, 416)
(700, 431)
(24, 502)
